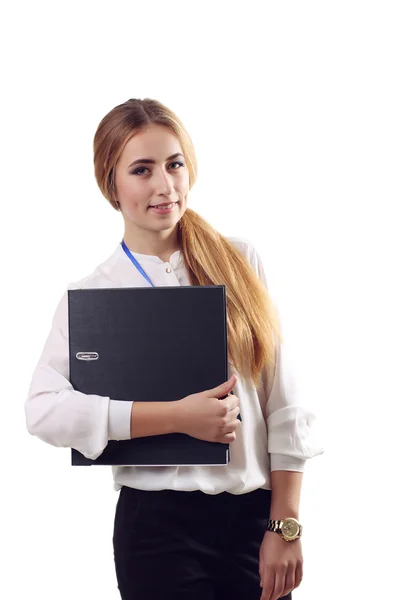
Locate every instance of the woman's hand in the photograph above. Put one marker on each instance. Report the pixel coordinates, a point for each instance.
(281, 566)
(205, 417)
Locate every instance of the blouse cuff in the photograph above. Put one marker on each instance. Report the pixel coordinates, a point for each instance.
(119, 420)
(282, 462)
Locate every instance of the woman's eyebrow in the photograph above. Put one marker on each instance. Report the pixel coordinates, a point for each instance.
(150, 161)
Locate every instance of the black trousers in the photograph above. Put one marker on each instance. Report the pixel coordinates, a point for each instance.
(189, 545)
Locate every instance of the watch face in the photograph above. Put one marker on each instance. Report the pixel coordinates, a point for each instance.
(290, 528)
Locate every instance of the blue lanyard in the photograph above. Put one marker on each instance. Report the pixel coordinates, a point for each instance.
(135, 262)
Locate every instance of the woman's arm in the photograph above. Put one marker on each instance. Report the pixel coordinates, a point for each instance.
(60, 415)
(289, 423)
(153, 418)
(286, 489)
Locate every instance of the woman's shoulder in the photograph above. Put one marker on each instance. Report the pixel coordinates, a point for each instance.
(250, 253)
(99, 277)
(242, 244)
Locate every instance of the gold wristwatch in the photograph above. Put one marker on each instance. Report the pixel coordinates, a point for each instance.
(289, 529)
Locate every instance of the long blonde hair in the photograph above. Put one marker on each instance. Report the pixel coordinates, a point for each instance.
(210, 258)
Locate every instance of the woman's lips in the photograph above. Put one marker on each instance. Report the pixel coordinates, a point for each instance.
(163, 211)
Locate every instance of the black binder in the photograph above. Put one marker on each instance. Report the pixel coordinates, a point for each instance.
(149, 344)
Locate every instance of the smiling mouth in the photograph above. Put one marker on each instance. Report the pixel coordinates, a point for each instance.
(164, 206)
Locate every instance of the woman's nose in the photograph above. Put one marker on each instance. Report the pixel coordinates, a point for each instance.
(163, 184)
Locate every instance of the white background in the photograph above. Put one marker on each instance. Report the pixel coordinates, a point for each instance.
(293, 108)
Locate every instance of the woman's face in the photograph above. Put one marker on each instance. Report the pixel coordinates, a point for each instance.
(152, 171)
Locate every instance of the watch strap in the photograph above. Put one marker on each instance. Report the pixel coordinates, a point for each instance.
(274, 525)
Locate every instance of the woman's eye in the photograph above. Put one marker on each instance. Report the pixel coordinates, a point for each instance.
(136, 171)
(177, 163)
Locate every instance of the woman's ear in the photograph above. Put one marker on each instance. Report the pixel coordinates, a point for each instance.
(115, 202)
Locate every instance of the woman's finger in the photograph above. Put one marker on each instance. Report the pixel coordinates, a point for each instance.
(280, 577)
(268, 584)
(298, 574)
(289, 580)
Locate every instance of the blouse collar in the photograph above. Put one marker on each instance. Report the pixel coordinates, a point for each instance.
(175, 259)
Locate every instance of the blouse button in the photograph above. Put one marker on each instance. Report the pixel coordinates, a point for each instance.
(168, 270)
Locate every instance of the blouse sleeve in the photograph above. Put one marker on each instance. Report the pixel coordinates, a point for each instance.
(291, 440)
(62, 416)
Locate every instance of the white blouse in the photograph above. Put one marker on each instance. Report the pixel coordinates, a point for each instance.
(274, 434)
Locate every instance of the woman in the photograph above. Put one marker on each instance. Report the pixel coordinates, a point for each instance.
(187, 532)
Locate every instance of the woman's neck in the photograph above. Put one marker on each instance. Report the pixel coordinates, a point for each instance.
(153, 245)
